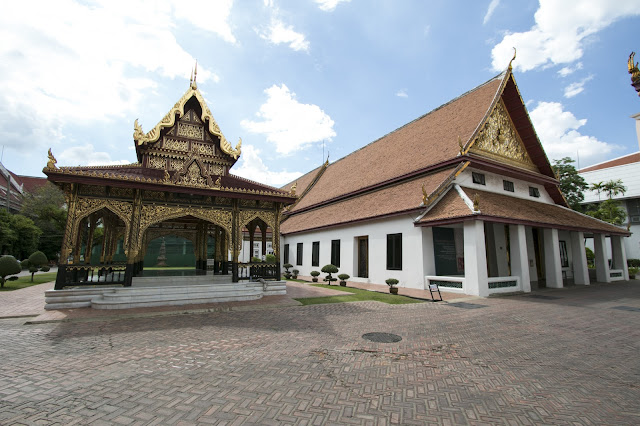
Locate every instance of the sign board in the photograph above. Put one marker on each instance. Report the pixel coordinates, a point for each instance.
(433, 288)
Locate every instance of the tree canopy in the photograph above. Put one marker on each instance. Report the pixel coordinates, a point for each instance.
(572, 184)
(46, 208)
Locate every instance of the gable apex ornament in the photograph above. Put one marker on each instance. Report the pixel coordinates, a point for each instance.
(476, 203)
(51, 163)
(514, 57)
(425, 196)
(635, 72)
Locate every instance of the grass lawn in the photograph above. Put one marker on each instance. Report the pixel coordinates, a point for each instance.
(22, 282)
(167, 268)
(357, 295)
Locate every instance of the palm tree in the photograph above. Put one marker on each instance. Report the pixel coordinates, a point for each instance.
(597, 187)
(614, 187)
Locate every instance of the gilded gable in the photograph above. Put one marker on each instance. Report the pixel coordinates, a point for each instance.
(499, 140)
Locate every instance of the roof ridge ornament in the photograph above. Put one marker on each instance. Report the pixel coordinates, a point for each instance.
(51, 163)
(512, 59)
(194, 77)
(635, 72)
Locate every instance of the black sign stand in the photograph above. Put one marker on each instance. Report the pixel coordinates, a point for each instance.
(433, 288)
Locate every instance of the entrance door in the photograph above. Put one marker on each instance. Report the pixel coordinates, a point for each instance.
(363, 257)
(539, 255)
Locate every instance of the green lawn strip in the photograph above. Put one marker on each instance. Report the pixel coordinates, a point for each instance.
(357, 295)
(25, 281)
(167, 268)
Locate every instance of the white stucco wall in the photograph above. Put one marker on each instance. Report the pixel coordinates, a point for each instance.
(413, 263)
(628, 173)
(493, 183)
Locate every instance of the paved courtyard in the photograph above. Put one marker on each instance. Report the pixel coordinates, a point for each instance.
(569, 356)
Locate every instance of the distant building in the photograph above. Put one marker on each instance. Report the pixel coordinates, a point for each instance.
(627, 169)
(14, 187)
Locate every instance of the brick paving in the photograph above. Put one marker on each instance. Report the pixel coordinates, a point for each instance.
(568, 357)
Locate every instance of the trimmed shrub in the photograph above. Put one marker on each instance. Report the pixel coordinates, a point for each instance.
(8, 266)
(271, 258)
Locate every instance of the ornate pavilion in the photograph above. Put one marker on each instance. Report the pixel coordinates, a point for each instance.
(181, 186)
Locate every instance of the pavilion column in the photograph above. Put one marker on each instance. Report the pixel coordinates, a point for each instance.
(619, 256)
(133, 242)
(105, 241)
(263, 228)
(252, 230)
(275, 239)
(476, 279)
(579, 259)
(552, 265)
(518, 255)
(235, 237)
(92, 227)
(218, 250)
(77, 249)
(71, 197)
(602, 262)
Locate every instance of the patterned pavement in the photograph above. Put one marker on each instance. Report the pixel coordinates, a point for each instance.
(566, 356)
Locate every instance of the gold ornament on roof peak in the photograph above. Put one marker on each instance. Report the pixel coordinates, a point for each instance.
(514, 57)
(293, 188)
(460, 145)
(425, 196)
(51, 163)
(635, 72)
(476, 202)
(194, 76)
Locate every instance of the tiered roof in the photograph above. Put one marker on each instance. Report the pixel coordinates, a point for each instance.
(412, 169)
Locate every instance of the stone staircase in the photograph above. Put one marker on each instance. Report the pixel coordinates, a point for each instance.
(163, 291)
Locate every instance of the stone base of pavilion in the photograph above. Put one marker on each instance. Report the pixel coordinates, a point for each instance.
(163, 291)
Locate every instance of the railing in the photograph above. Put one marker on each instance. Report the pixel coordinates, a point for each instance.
(253, 271)
(85, 275)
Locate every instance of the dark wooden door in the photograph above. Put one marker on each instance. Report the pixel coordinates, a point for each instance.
(363, 257)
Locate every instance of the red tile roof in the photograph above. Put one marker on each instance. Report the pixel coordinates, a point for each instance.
(627, 159)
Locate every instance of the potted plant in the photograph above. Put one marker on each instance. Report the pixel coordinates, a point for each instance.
(287, 274)
(315, 274)
(255, 259)
(294, 274)
(343, 279)
(329, 269)
(391, 282)
(271, 258)
(633, 272)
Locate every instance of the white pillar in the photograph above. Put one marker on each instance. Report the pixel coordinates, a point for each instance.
(428, 256)
(602, 264)
(552, 266)
(475, 259)
(518, 255)
(579, 259)
(619, 255)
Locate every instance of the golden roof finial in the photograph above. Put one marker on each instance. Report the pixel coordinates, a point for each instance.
(635, 73)
(51, 164)
(293, 188)
(460, 145)
(476, 203)
(514, 57)
(425, 196)
(194, 77)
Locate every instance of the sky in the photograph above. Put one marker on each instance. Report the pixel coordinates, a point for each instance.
(302, 79)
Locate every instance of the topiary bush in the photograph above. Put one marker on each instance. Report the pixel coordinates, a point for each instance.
(38, 262)
(8, 266)
(255, 259)
(391, 282)
(633, 263)
(271, 258)
(315, 274)
(329, 269)
(294, 274)
(286, 267)
(343, 279)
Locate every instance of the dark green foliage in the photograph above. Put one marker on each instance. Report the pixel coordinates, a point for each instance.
(271, 258)
(28, 236)
(609, 211)
(633, 263)
(314, 273)
(391, 282)
(8, 266)
(256, 259)
(294, 273)
(45, 207)
(572, 184)
(344, 277)
(591, 257)
(38, 262)
(329, 269)
(287, 274)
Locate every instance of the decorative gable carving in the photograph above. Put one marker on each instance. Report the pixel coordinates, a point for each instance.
(500, 140)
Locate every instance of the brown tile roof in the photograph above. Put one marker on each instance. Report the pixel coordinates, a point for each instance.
(428, 140)
(627, 159)
(391, 199)
(511, 209)
(303, 181)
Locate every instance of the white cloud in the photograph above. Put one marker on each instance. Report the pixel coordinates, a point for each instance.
(86, 155)
(252, 167)
(288, 123)
(279, 33)
(565, 71)
(559, 34)
(558, 132)
(402, 93)
(75, 62)
(329, 5)
(575, 88)
(490, 10)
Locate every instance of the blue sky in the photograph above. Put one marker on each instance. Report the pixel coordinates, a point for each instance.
(291, 76)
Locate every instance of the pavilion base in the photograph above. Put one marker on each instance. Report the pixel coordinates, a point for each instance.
(162, 294)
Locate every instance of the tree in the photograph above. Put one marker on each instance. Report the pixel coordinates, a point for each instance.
(572, 184)
(46, 207)
(598, 187)
(27, 236)
(609, 211)
(614, 187)
(36, 262)
(7, 234)
(8, 266)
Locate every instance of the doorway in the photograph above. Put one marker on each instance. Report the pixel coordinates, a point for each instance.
(539, 256)
(363, 257)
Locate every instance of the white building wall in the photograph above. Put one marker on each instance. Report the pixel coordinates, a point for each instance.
(413, 264)
(493, 183)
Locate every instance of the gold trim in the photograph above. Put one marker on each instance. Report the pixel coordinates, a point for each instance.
(169, 120)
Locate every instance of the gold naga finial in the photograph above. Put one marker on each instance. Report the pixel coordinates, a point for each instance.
(460, 145)
(476, 202)
(138, 133)
(425, 196)
(51, 164)
(293, 188)
(194, 77)
(514, 57)
(218, 181)
(635, 73)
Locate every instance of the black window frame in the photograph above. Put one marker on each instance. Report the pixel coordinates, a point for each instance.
(394, 252)
(315, 253)
(507, 185)
(478, 178)
(299, 253)
(286, 254)
(335, 253)
(534, 192)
